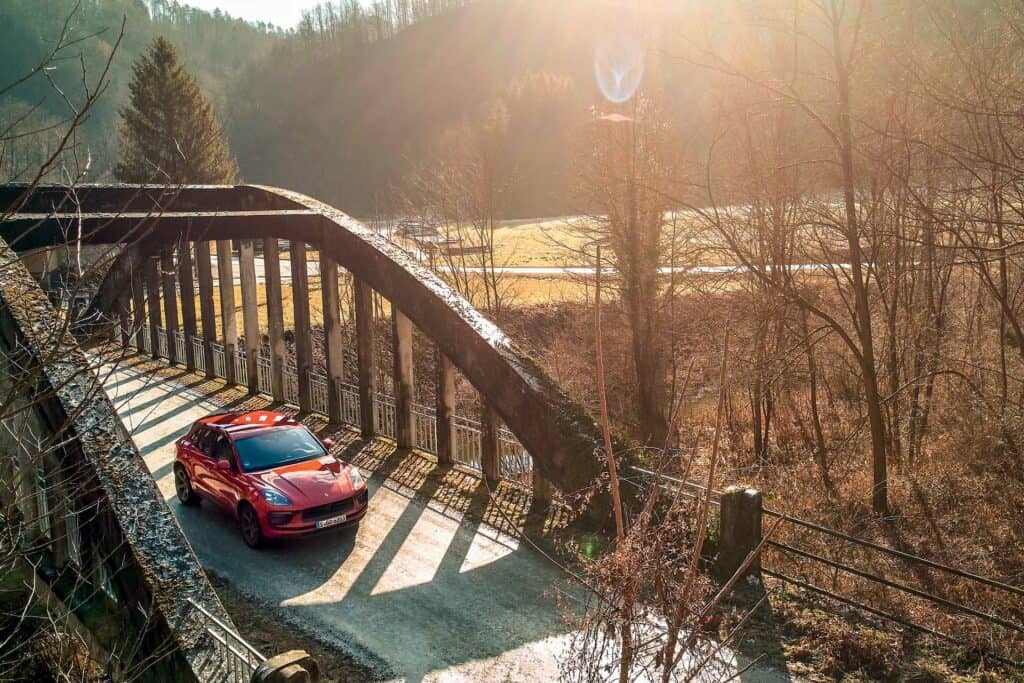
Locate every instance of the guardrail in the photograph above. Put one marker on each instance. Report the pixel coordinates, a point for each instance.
(219, 360)
(264, 379)
(424, 428)
(161, 343)
(319, 393)
(238, 658)
(179, 346)
(938, 585)
(199, 353)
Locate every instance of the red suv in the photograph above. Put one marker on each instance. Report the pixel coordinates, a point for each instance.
(270, 472)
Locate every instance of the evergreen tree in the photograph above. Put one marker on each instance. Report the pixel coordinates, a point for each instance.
(169, 133)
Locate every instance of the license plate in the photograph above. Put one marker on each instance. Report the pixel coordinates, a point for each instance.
(332, 521)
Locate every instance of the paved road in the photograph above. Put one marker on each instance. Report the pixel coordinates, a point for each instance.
(414, 592)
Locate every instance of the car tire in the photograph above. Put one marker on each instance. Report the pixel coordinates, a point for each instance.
(249, 526)
(183, 487)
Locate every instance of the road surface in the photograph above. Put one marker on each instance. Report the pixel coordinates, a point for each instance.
(415, 592)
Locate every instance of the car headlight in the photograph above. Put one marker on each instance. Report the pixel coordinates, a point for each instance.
(356, 477)
(275, 498)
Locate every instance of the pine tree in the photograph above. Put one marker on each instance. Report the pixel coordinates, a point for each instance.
(169, 132)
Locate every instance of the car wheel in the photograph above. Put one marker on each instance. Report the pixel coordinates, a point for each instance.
(249, 524)
(183, 487)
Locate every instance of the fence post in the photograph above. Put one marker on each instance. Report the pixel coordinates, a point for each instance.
(490, 453)
(294, 666)
(739, 530)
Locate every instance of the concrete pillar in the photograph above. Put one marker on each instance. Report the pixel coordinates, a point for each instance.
(332, 334)
(366, 355)
(250, 311)
(153, 303)
(490, 458)
(124, 310)
(188, 301)
(303, 337)
(445, 409)
(208, 314)
(275, 315)
(170, 301)
(138, 301)
(543, 491)
(740, 530)
(229, 326)
(401, 337)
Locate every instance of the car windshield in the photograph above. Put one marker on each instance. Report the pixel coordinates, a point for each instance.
(277, 447)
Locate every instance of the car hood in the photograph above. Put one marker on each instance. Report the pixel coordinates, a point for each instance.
(310, 483)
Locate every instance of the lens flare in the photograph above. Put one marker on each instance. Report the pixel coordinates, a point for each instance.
(618, 67)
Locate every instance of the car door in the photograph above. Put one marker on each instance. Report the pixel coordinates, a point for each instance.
(201, 450)
(223, 484)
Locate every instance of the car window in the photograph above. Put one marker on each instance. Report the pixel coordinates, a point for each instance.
(277, 447)
(203, 441)
(222, 448)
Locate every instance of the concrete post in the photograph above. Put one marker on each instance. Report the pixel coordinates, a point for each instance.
(490, 456)
(445, 409)
(366, 355)
(401, 337)
(207, 312)
(740, 530)
(295, 666)
(124, 310)
(138, 302)
(303, 332)
(543, 491)
(250, 312)
(332, 335)
(153, 303)
(188, 301)
(229, 326)
(275, 315)
(170, 302)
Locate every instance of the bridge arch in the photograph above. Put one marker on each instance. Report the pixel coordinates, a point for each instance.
(149, 222)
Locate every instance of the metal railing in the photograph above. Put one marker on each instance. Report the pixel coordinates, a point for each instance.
(466, 442)
(385, 415)
(424, 428)
(199, 353)
(241, 368)
(516, 463)
(179, 346)
(349, 396)
(264, 379)
(161, 343)
(319, 393)
(220, 366)
(147, 340)
(291, 383)
(238, 658)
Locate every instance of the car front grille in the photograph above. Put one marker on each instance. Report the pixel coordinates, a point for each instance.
(327, 511)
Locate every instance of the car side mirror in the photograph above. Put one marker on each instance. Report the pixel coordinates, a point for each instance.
(223, 465)
(328, 443)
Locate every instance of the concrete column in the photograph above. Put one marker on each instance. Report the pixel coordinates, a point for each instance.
(401, 338)
(740, 530)
(332, 334)
(445, 409)
(124, 310)
(275, 315)
(490, 459)
(366, 356)
(208, 314)
(138, 301)
(188, 301)
(303, 337)
(153, 302)
(250, 310)
(170, 301)
(229, 326)
(542, 489)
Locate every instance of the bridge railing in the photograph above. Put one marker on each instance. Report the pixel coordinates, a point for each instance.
(238, 658)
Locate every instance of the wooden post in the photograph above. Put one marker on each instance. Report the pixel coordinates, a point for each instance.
(138, 302)
(303, 333)
(332, 335)
(250, 312)
(170, 302)
(275, 315)
(401, 337)
(153, 303)
(366, 356)
(490, 458)
(207, 312)
(229, 326)
(188, 301)
(445, 409)
(739, 530)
